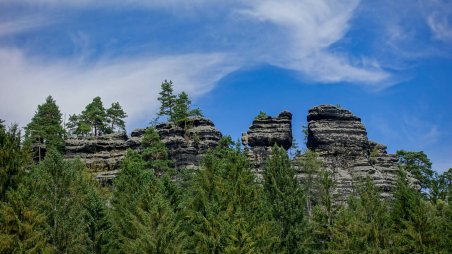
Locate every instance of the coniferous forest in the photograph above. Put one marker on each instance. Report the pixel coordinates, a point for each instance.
(52, 205)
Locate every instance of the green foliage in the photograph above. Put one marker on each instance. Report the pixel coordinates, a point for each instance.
(59, 191)
(154, 152)
(22, 225)
(77, 125)
(225, 208)
(95, 115)
(419, 165)
(115, 117)
(311, 167)
(46, 127)
(287, 199)
(13, 159)
(176, 108)
(364, 226)
(261, 115)
(143, 218)
(167, 99)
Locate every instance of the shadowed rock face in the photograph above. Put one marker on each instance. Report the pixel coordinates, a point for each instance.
(340, 140)
(264, 134)
(186, 146)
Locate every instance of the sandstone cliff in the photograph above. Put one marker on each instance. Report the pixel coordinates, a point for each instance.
(186, 144)
(340, 140)
(263, 134)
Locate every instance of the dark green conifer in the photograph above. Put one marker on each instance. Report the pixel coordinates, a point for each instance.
(287, 199)
(45, 129)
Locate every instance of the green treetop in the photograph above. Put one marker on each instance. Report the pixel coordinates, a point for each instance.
(419, 165)
(46, 125)
(95, 115)
(176, 108)
(167, 99)
(115, 117)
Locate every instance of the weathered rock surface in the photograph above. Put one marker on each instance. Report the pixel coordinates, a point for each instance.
(340, 140)
(263, 134)
(186, 145)
(102, 153)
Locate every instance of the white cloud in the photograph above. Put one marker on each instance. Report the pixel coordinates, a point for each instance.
(309, 29)
(441, 26)
(25, 82)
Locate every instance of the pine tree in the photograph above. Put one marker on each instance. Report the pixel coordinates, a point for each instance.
(77, 125)
(115, 116)
(45, 128)
(167, 99)
(287, 199)
(95, 115)
(154, 152)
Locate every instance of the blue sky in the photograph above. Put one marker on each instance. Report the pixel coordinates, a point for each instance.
(389, 62)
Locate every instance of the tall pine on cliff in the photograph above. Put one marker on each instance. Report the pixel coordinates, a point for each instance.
(176, 108)
(45, 128)
(167, 99)
(115, 117)
(95, 115)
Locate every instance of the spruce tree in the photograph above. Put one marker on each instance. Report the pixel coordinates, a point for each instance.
(58, 188)
(22, 227)
(13, 159)
(311, 168)
(142, 216)
(45, 128)
(413, 220)
(364, 225)
(115, 117)
(95, 115)
(225, 207)
(287, 199)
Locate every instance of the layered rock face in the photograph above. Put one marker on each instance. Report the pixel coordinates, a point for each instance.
(263, 134)
(340, 140)
(102, 153)
(186, 144)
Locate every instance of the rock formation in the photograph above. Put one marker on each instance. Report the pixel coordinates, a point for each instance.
(102, 153)
(186, 143)
(340, 140)
(263, 134)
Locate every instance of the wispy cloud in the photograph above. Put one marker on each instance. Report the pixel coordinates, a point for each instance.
(134, 83)
(22, 24)
(441, 26)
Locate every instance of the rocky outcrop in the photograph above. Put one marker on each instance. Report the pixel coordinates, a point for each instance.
(340, 140)
(188, 142)
(101, 153)
(263, 134)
